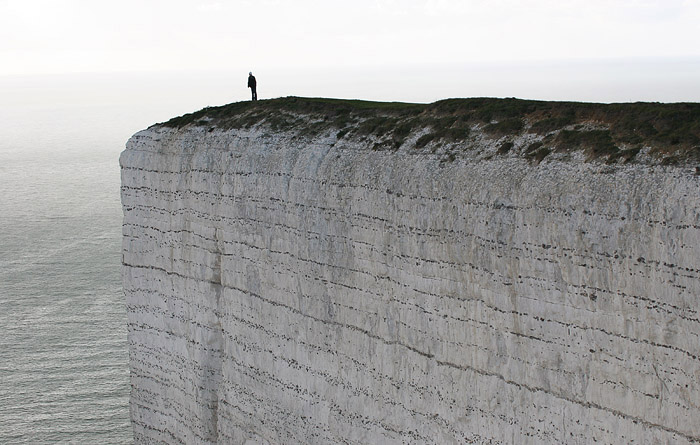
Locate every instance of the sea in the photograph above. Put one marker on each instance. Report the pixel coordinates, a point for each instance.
(64, 370)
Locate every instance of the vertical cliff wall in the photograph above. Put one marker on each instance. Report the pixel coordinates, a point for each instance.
(407, 285)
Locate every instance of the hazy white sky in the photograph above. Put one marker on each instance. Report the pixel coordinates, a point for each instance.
(382, 36)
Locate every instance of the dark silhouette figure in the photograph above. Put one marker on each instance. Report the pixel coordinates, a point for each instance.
(253, 85)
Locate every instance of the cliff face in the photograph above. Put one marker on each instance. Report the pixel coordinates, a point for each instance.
(338, 288)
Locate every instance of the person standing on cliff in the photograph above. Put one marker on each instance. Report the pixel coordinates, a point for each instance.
(253, 85)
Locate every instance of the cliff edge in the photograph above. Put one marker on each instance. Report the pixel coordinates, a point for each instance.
(495, 271)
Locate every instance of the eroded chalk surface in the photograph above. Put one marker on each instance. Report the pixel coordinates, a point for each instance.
(282, 291)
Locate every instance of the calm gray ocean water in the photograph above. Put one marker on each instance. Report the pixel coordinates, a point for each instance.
(64, 375)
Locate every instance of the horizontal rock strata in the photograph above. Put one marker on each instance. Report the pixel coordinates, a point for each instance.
(285, 291)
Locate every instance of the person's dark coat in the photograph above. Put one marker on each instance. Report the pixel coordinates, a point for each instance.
(252, 84)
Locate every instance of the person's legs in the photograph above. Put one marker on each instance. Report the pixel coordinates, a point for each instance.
(255, 93)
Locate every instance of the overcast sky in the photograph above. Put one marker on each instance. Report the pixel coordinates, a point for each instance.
(443, 40)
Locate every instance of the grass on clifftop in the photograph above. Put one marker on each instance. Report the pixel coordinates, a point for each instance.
(612, 132)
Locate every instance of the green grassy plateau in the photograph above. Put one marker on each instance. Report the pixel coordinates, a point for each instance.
(614, 133)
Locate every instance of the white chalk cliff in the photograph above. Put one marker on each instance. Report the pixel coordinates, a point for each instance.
(291, 288)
